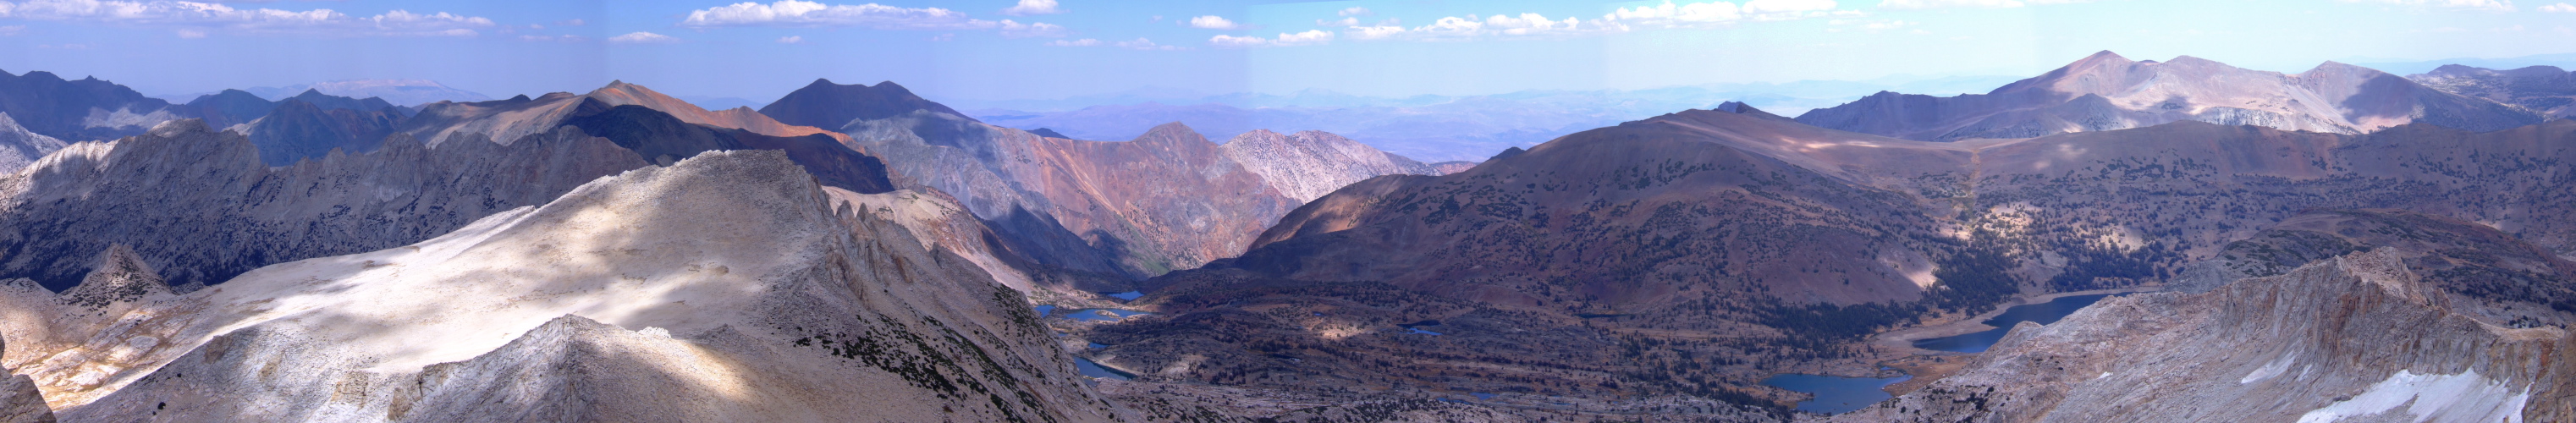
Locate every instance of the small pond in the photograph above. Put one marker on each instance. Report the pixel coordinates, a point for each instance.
(1835, 395)
(1125, 296)
(2041, 313)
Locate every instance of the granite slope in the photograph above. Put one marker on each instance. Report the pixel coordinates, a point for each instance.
(1309, 164)
(19, 147)
(2368, 336)
(728, 286)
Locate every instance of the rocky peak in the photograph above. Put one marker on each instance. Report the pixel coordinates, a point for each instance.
(826, 105)
(120, 276)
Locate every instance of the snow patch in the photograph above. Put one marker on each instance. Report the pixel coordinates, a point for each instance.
(2274, 368)
(2464, 397)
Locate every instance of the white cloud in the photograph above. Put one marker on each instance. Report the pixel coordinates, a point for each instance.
(572, 22)
(2559, 8)
(11, 30)
(792, 39)
(944, 37)
(2481, 5)
(1033, 7)
(797, 13)
(1086, 42)
(1944, 4)
(1340, 22)
(1213, 22)
(202, 17)
(640, 37)
(1356, 11)
(1311, 37)
(191, 33)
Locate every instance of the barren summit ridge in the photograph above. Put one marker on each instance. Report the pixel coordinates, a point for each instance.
(2106, 91)
(696, 291)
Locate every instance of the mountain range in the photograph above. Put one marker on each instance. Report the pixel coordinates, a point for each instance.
(2336, 244)
(1438, 128)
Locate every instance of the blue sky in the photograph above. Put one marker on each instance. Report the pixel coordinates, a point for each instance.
(1031, 49)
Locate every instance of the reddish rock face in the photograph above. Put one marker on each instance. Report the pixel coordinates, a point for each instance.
(2107, 92)
(1167, 200)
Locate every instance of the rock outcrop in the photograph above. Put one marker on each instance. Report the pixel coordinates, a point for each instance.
(1309, 164)
(2106, 92)
(2370, 336)
(170, 193)
(728, 286)
(2546, 90)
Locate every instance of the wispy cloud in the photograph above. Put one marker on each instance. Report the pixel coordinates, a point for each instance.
(1017, 30)
(198, 19)
(792, 39)
(1951, 4)
(640, 37)
(2472, 5)
(1033, 7)
(1136, 44)
(2559, 8)
(1356, 11)
(806, 14)
(554, 38)
(1668, 15)
(12, 30)
(1308, 38)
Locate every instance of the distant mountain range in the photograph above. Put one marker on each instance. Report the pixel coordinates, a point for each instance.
(2107, 92)
(1435, 128)
(2547, 90)
(401, 92)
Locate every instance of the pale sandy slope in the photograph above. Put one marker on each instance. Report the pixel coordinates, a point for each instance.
(724, 288)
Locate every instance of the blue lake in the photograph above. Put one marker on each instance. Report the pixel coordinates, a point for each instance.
(1835, 395)
(2041, 313)
(1091, 369)
(1129, 295)
(1102, 314)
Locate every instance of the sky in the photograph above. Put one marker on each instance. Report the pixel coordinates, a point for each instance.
(1042, 49)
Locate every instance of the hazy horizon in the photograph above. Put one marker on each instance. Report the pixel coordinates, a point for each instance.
(1038, 49)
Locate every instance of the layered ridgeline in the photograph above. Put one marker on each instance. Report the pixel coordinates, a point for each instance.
(1169, 199)
(2546, 90)
(171, 193)
(1705, 250)
(519, 116)
(81, 110)
(2106, 92)
(2359, 315)
(728, 286)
